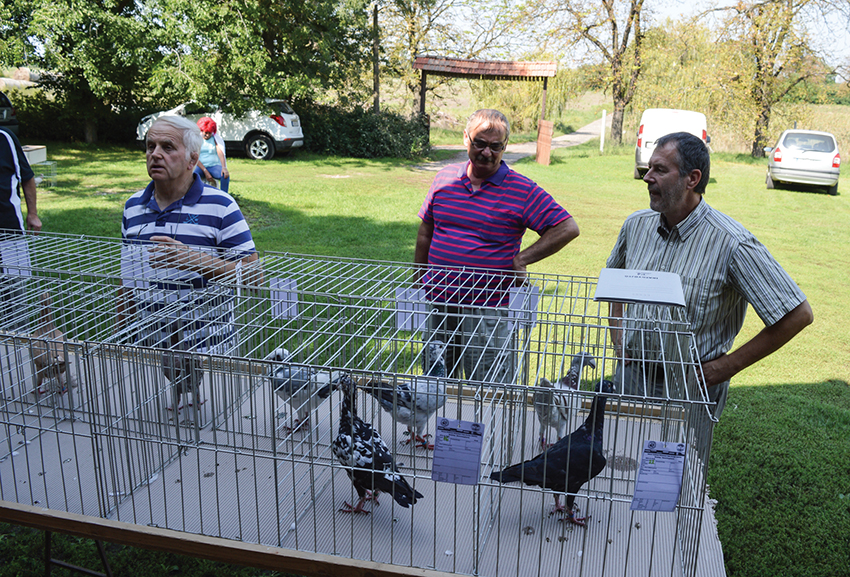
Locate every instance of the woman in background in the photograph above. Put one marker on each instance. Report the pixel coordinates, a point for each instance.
(212, 162)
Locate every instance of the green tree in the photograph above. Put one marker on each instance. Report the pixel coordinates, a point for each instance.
(773, 38)
(611, 31)
(451, 28)
(97, 52)
(107, 55)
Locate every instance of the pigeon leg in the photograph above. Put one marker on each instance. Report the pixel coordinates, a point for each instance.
(580, 521)
(346, 508)
(298, 424)
(422, 441)
(559, 508)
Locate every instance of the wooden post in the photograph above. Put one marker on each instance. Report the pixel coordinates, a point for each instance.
(543, 103)
(422, 93)
(545, 129)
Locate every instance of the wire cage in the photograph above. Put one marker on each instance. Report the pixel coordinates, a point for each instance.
(230, 455)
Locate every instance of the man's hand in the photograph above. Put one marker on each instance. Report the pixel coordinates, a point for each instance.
(171, 253)
(520, 271)
(33, 222)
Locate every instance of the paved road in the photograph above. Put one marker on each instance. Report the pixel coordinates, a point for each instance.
(516, 151)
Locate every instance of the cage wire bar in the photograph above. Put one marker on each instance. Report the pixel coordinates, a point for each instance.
(104, 432)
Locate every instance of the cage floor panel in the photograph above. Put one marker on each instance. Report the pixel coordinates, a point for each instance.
(285, 490)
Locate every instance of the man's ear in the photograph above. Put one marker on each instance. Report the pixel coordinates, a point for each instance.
(193, 158)
(693, 178)
(466, 139)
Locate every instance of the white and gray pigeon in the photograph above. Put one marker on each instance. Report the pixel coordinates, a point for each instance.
(413, 403)
(302, 388)
(367, 459)
(555, 408)
(185, 372)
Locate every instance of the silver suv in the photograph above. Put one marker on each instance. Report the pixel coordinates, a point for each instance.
(8, 121)
(260, 134)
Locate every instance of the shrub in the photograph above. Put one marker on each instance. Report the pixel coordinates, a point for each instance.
(44, 117)
(361, 133)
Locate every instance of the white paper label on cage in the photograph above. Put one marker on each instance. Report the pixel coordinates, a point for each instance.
(457, 451)
(522, 305)
(411, 309)
(135, 270)
(639, 286)
(16, 257)
(284, 297)
(659, 480)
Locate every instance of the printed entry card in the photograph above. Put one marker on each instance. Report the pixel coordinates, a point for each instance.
(457, 451)
(659, 480)
(639, 286)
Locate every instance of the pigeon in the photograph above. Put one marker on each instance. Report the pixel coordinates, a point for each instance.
(413, 403)
(302, 388)
(185, 373)
(357, 447)
(51, 369)
(568, 464)
(554, 409)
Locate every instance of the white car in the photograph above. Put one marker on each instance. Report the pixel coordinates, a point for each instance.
(806, 157)
(260, 134)
(655, 123)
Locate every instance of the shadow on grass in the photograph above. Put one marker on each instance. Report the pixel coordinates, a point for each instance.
(291, 230)
(273, 229)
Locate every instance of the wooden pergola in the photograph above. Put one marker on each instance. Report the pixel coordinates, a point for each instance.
(484, 70)
(493, 70)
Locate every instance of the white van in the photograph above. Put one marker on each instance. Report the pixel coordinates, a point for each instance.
(656, 122)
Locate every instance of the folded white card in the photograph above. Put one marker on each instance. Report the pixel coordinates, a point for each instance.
(639, 286)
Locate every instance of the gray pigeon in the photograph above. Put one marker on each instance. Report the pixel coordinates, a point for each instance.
(554, 409)
(185, 372)
(302, 388)
(412, 403)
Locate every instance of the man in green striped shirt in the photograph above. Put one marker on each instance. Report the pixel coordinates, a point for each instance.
(723, 268)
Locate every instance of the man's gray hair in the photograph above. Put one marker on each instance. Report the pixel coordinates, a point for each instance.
(192, 138)
(692, 153)
(488, 118)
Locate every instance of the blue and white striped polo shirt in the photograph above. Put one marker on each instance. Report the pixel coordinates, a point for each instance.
(206, 218)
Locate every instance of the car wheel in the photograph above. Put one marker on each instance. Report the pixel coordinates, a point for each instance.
(832, 190)
(769, 182)
(259, 147)
(638, 175)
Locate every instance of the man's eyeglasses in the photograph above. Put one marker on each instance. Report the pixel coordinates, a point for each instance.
(493, 146)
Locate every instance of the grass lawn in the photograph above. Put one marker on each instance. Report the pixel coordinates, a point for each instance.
(780, 466)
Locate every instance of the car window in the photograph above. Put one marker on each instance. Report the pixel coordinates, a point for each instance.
(4, 102)
(816, 142)
(195, 108)
(281, 107)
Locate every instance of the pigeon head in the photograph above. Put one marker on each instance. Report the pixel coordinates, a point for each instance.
(436, 356)
(544, 382)
(605, 386)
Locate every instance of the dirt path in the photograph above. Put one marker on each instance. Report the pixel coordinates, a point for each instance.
(516, 151)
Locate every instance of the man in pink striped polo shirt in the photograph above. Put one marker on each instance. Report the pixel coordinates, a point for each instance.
(473, 221)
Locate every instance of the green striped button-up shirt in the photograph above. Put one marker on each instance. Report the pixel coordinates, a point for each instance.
(722, 266)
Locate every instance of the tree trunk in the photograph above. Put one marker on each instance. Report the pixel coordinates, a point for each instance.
(617, 121)
(91, 131)
(376, 71)
(760, 134)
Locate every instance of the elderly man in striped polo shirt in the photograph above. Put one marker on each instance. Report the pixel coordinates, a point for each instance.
(473, 219)
(723, 267)
(180, 234)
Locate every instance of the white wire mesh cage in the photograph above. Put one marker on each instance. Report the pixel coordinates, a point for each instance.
(175, 427)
